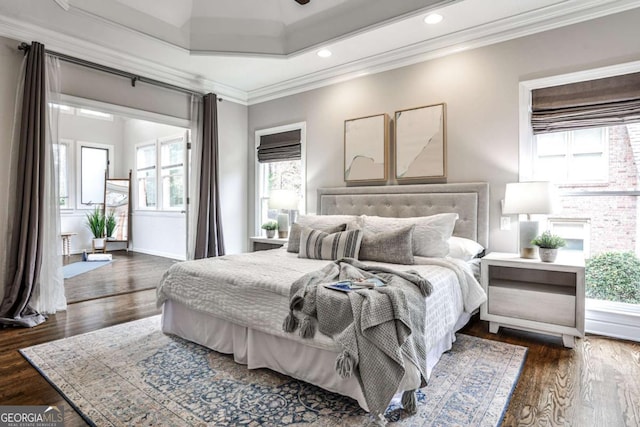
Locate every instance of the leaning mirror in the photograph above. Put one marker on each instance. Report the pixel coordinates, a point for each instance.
(116, 204)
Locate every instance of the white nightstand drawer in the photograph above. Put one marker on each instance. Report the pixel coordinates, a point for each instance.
(538, 305)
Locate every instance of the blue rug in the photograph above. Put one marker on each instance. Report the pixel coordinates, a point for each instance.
(71, 270)
(133, 374)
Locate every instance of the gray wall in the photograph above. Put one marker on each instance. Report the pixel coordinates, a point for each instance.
(480, 88)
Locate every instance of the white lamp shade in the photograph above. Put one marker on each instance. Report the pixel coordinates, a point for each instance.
(283, 199)
(536, 197)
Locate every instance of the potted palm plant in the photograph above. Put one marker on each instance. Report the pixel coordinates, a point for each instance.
(96, 222)
(549, 245)
(110, 224)
(270, 227)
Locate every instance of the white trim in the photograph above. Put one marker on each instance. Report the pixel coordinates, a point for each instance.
(68, 45)
(535, 22)
(618, 320)
(601, 317)
(127, 112)
(160, 253)
(303, 151)
(544, 19)
(524, 107)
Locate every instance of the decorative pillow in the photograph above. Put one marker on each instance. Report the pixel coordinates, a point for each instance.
(464, 249)
(316, 244)
(395, 247)
(296, 229)
(430, 235)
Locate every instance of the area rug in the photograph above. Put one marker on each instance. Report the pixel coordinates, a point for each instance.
(133, 374)
(76, 268)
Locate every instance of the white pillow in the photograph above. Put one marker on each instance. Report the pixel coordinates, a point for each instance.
(464, 249)
(430, 235)
(326, 221)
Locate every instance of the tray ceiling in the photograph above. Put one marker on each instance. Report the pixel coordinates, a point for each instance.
(255, 50)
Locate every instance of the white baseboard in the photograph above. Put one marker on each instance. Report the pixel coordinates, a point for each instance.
(159, 253)
(616, 320)
(142, 251)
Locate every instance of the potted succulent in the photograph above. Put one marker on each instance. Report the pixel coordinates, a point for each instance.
(270, 227)
(96, 222)
(548, 244)
(110, 224)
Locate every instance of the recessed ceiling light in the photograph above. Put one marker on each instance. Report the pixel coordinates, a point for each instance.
(324, 53)
(433, 18)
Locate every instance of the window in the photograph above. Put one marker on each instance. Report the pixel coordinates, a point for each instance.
(584, 135)
(61, 159)
(577, 156)
(94, 161)
(146, 176)
(172, 168)
(165, 189)
(280, 167)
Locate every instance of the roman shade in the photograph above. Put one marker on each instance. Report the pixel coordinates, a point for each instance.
(279, 147)
(603, 102)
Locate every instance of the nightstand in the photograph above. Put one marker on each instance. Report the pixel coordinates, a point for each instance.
(259, 243)
(531, 295)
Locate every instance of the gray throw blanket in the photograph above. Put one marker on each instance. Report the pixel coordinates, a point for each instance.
(378, 329)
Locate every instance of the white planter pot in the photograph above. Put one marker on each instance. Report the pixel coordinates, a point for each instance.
(271, 233)
(98, 243)
(548, 255)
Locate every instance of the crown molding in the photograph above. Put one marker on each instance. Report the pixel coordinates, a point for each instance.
(22, 31)
(549, 18)
(544, 19)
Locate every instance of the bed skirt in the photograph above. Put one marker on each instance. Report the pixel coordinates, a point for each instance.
(258, 349)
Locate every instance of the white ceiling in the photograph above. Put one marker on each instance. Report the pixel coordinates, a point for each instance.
(254, 50)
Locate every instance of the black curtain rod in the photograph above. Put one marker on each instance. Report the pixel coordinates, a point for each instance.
(133, 77)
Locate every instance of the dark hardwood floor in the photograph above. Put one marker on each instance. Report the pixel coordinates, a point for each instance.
(129, 272)
(595, 384)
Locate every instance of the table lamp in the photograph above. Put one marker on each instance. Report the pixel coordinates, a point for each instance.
(528, 198)
(285, 200)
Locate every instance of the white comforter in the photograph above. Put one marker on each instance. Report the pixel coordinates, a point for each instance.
(252, 290)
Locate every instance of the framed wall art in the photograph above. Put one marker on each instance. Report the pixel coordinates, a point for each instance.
(420, 143)
(366, 147)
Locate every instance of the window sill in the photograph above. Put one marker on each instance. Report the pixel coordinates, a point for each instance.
(614, 319)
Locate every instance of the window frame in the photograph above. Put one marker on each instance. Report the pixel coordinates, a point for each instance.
(602, 317)
(157, 144)
(259, 195)
(78, 187)
(71, 199)
(164, 141)
(154, 144)
(569, 158)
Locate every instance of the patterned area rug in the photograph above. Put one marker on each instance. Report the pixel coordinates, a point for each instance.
(133, 374)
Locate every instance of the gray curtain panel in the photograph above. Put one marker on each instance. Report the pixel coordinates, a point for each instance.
(209, 239)
(595, 103)
(26, 245)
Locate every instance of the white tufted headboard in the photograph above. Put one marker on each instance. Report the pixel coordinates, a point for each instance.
(469, 200)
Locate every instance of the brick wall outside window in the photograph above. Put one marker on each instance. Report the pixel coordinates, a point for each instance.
(613, 218)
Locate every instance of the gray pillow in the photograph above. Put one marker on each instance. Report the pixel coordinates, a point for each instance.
(395, 246)
(296, 231)
(316, 244)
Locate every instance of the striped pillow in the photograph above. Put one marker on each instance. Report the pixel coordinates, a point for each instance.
(316, 244)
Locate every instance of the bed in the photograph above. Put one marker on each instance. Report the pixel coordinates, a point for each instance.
(236, 304)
